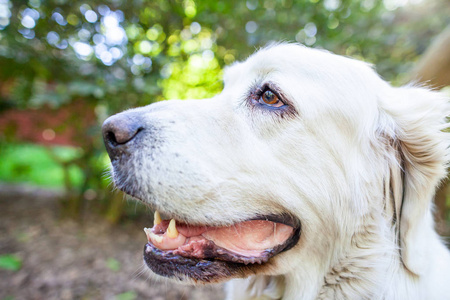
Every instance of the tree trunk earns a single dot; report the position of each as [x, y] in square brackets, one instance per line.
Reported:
[433, 70]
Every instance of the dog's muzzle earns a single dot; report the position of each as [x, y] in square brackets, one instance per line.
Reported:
[203, 252]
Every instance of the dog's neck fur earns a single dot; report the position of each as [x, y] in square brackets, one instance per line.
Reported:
[363, 268]
[369, 270]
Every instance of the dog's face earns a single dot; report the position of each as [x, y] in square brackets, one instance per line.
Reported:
[265, 177]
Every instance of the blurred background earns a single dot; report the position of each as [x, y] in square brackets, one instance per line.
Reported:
[67, 65]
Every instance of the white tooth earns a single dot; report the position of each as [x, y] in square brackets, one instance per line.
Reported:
[157, 218]
[155, 238]
[172, 231]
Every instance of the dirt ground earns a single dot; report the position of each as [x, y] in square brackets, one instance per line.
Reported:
[68, 260]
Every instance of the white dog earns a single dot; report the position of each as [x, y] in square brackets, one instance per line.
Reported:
[308, 177]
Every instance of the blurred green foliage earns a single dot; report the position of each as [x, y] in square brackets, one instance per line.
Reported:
[10, 262]
[116, 54]
[33, 164]
[126, 53]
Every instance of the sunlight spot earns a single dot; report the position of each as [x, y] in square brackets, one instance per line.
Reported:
[28, 22]
[62, 45]
[310, 29]
[138, 59]
[145, 47]
[190, 10]
[103, 10]
[58, 18]
[82, 49]
[107, 58]
[32, 13]
[310, 40]
[116, 53]
[52, 38]
[331, 5]
[251, 4]
[91, 16]
[99, 49]
[34, 3]
[98, 38]
[208, 55]
[84, 34]
[251, 27]
[5, 13]
[27, 33]
[300, 36]
[114, 33]
[84, 8]
[152, 34]
[195, 28]
[110, 21]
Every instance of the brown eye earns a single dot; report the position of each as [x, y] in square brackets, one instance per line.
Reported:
[270, 99]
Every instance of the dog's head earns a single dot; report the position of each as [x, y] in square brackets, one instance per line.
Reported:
[282, 169]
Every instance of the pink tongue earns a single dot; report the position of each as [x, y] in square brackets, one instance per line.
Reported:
[249, 238]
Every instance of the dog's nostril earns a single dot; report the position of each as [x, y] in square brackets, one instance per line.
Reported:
[110, 137]
[121, 136]
[120, 129]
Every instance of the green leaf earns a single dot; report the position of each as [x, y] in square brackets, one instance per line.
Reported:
[113, 264]
[10, 262]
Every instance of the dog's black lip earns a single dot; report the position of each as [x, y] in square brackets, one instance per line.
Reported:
[200, 270]
[168, 264]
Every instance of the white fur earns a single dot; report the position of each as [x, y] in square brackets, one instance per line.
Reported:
[358, 165]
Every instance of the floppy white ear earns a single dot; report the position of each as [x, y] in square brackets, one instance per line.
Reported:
[417, 119]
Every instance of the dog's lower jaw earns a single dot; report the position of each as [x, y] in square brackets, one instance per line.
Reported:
[359, 273]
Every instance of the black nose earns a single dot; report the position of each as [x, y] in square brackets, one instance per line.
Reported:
[119, 130]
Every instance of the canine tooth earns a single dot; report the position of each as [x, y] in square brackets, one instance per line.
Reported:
[172, 231]
[157, 218]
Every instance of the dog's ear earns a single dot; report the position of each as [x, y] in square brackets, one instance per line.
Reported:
[414, 122]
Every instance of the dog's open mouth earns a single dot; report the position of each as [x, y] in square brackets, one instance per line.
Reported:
[208, 253]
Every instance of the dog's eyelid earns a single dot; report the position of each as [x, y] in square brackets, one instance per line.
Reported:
[256, 91]
[269, 86]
